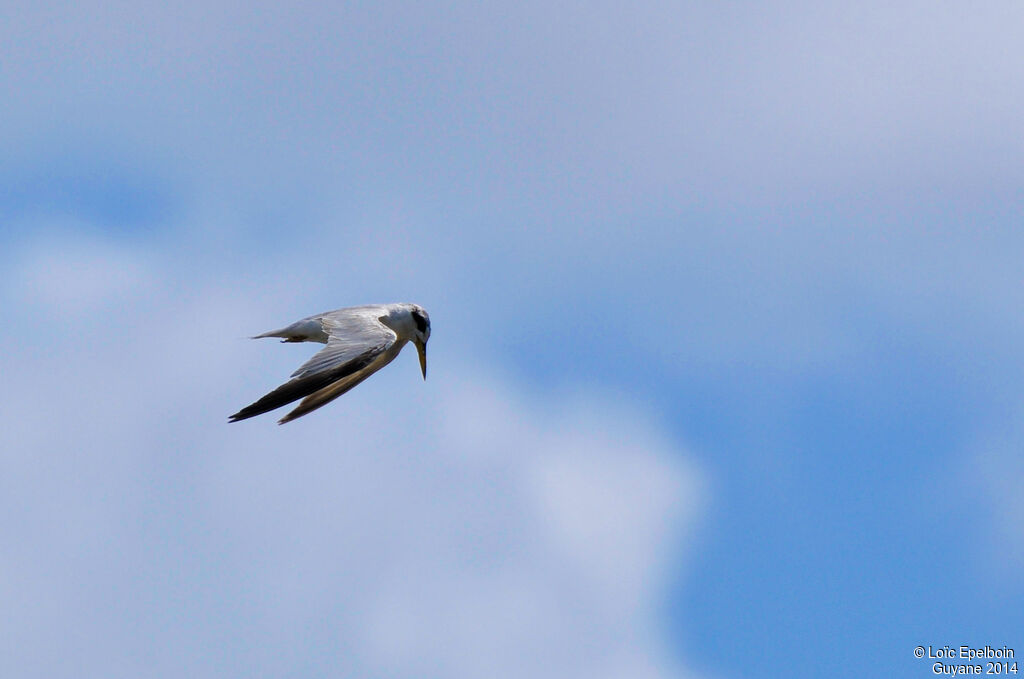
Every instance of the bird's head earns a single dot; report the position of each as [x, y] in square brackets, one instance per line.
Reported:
[421, 334]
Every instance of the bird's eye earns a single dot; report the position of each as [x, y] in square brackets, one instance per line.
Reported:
[421, 322]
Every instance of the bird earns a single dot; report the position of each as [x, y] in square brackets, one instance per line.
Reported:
[360, 341]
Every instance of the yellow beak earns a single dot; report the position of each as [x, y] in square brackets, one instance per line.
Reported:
[422, 349]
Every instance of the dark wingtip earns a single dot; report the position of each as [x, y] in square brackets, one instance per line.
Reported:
[300, 387]
[242, 415]
[289, 417]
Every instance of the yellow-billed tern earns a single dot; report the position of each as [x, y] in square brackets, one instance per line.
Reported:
[360, 341]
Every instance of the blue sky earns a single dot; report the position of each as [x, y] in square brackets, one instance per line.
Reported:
[725, 374]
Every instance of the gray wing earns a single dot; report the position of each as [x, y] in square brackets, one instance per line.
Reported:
[357, 347]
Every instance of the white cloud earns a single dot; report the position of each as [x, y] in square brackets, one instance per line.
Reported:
[400, 134]
[541, 141]
[63, 273]
[458, 527]
[608, 110]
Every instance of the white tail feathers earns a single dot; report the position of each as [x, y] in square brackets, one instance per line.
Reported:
[306, 330]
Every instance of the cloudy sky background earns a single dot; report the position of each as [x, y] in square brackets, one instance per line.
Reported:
[726, 365]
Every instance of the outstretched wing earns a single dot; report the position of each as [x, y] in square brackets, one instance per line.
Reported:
[357, 346]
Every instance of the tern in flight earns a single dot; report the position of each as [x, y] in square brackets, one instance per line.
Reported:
[360, 341]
